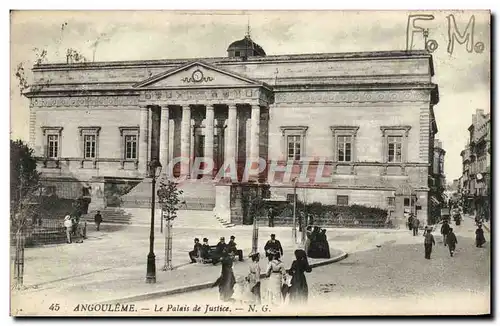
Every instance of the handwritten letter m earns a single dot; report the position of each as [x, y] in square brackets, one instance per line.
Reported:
[454, 34]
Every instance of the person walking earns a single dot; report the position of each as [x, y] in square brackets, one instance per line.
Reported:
[415, 225]
[253, 278]
[410, 221]
[68, 224]
[445, 229]
[226, 281]
[97, 220]
[273, 245]
[451, 241]
[270, 216]
[299, 291]
[275, 273]
[480, 239]
[428, 242]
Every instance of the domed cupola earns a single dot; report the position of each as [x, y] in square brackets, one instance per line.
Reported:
[245, 48]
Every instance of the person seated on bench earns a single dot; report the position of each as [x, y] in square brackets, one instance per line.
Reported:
[196, 252]
[205, 248]
[220, 247]
[231, 248]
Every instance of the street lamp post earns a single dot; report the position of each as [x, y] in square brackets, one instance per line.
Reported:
[294, 227]
[154, 172]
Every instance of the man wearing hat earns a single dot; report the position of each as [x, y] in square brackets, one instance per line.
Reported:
[196, 252]
[273, 245]
[231, 248]
[428, 242]
[219, 249]
[205, 247]
[69, 227]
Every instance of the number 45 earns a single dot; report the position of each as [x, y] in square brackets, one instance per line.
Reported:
[54, 307]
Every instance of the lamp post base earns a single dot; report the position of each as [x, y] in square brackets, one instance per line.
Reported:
[151, 269]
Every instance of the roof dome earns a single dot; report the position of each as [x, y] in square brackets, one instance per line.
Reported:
[245, 48]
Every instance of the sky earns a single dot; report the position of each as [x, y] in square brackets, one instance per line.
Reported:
[463, 78]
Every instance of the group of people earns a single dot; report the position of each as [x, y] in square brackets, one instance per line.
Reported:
[281, 283]
[76, 229]
[449, 238]
[413, 223]
[316, 243]
[203, 253]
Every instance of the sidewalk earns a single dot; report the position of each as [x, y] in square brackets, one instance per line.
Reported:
[111, 267]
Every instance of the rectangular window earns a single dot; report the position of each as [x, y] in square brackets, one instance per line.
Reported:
[90, 146]
[342, 200]
[130, 147]
[407, 202]
[391, 201]
[53, 146]
[344, 146]
[394, 149]
[293, 147]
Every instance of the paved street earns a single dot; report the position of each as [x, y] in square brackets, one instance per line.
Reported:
[391, 279]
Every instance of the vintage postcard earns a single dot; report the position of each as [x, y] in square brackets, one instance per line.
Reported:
[250, 163]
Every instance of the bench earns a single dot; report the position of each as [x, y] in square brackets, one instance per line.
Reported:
[212, 255]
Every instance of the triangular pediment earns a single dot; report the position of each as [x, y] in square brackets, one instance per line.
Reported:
[197, 74]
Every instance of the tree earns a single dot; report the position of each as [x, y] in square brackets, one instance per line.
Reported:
[24, 185]
[170, 201]
[24, 178]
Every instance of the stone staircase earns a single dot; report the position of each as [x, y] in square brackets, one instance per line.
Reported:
[185, 218]
[198, 195]
[111, 215]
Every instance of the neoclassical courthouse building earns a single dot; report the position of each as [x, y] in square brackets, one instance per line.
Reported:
[361, 125]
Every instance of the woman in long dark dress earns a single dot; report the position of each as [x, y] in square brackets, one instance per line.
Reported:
[299, 291]
[226, 281]
[480, 240]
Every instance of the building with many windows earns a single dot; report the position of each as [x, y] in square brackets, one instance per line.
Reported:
[343, 128]
[476, 157]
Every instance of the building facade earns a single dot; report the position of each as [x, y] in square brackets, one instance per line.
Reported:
[476, 158]
[350, 128]
[438, 180]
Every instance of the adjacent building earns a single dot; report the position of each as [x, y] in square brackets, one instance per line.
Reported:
[476, 157]
[437, 182]
[351, 128]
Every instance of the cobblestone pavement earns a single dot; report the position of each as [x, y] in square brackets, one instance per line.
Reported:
[389, 278]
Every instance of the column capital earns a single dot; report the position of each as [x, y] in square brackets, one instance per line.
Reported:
[232, 106]
[164, 107]
[209, 107]
[255, 106]
[186, 107]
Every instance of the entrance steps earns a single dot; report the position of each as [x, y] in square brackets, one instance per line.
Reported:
[198, 195]
[199, 219]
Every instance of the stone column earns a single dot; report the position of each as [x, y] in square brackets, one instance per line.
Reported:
[254, 133]
[209, 134]
[231, 133]
[143, 141]
[164, 139]
[185, 140]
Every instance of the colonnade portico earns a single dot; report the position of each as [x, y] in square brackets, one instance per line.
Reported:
[229, 150]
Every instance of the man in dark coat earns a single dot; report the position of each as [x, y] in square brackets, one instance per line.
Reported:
[231, 248]
[428, 242]
[220, 247]
[445, 229]
[451, 241]
[273, 245]
[196, 252]
[271, 215]
[415, 224]
[205, 247]
[97, 220]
